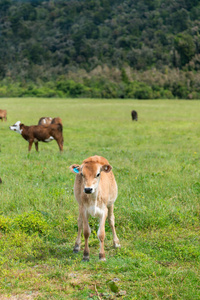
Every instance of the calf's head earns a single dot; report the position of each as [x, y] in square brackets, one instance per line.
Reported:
[17, 127]
[90, 173]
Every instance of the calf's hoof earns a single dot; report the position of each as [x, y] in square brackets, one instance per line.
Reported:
[102, 257]
[86, 258]
[117, 245]
[76, 249]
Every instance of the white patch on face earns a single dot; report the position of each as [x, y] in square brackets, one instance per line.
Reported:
[16, 127]
[44, 121]
[49, 139]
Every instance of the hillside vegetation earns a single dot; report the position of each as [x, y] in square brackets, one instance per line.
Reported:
[101, 48]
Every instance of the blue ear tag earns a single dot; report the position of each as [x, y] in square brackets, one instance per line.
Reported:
[76, 170]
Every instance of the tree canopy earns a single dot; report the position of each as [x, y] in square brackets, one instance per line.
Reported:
[42, 40]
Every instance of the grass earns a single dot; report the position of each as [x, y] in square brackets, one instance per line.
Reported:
[156, 165]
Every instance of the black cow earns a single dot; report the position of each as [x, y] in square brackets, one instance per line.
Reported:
[134, 115]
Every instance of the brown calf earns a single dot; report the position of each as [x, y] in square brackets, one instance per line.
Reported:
[40, 133]
[95, 190]
[3, 115]
[44, 121]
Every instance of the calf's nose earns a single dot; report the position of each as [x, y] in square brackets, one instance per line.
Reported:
[88, 190]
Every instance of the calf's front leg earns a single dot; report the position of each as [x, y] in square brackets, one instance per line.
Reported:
[86, 232]
[77, 245]
[101, 234]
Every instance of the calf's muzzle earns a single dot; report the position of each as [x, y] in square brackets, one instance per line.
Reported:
[88, 190]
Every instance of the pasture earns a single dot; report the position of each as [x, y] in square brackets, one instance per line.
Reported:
[157, 212]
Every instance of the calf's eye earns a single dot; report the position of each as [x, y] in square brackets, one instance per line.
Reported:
[98, 174]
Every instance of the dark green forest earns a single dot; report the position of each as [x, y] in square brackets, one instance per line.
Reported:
[142, 49]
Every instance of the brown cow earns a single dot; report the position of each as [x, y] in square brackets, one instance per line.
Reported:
[44, 121]
[95, 190]
[40, 133]
[56, 120]
[3, 115]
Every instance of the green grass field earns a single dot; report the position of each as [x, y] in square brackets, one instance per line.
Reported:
[156, 165]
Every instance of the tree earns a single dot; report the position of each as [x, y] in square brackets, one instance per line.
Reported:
[185, 46]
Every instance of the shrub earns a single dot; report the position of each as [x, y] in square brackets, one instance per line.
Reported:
[139, 90]
[5, 223]
[32, 222]
[40, 92]
[179, 90]
[19, 246]
[110, 90]
[70, 88]
[166, 94]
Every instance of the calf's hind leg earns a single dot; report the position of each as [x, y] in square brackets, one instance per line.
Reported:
[101, 235]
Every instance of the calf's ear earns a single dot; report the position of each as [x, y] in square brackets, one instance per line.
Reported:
[106, 168]
[75, 168]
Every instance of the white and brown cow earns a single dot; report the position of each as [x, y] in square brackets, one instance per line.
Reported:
[44, 121]
[95, 190]
[40, 133]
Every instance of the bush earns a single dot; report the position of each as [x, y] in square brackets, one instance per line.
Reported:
[32, 222]
[5, 223]
[70, 88]
[40, 92]
[139, 90]
[20, 246]
[151, 84]
[166, 94]
[180, 91]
